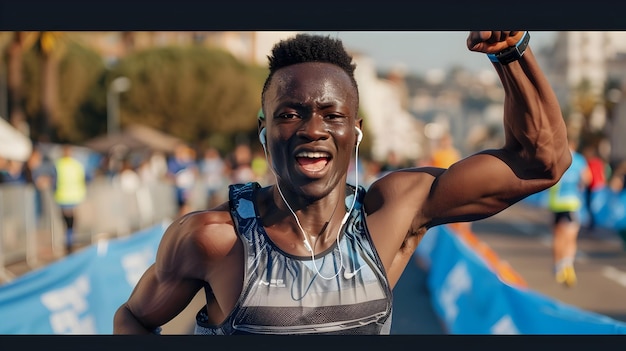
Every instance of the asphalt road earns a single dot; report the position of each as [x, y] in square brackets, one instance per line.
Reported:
[521, 235]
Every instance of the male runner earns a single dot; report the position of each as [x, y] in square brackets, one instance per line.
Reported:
[305, 255]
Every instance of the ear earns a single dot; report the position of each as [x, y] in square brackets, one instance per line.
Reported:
[359, 124]
[359, 134]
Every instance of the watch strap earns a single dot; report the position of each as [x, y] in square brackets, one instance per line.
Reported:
[512, 53]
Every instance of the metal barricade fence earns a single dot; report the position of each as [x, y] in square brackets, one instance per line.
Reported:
[17, 227]
[162, 200]
[111, 211]
[26, 228]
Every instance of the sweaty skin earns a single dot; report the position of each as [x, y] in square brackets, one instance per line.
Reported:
[312, 107]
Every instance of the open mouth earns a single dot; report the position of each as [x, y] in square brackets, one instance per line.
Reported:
[312, 161]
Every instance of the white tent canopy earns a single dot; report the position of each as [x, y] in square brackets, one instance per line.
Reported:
[14, 145]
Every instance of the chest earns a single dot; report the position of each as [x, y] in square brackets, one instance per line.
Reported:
[340, 289]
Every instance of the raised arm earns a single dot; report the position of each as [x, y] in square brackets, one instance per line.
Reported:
[535, 153]
[534, 156]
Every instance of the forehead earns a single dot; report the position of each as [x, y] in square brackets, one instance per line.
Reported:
[312, 80]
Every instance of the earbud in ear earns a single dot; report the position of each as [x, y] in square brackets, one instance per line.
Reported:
[359, 134]
[262, 137]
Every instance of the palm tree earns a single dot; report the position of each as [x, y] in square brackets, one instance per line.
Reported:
[14, 52]
[49, 47]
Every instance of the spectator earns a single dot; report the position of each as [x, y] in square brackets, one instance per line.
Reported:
[183, 171]
[445, 153]
[152, 168]
[597, 167]
[213, 172]
[14, 173]
[241, 165]
[40, 172]
[128, 179]
[70, 191]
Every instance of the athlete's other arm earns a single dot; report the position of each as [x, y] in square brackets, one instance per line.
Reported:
[169, 285]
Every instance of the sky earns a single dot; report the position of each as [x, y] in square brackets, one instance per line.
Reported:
[419, 51]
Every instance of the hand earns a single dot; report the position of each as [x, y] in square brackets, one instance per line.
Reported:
[491, 42]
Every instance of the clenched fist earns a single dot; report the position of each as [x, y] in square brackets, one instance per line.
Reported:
[491, 42]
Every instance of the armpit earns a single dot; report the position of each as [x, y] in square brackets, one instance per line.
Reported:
[412, 239]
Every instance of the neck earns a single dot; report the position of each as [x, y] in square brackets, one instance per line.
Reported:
[313, 221]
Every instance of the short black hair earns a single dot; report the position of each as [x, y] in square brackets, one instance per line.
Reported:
[305, 47]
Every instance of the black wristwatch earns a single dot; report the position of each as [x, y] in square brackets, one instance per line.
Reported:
[512, 53]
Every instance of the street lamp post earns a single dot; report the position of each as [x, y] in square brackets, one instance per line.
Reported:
[117, 86]
[4, 94]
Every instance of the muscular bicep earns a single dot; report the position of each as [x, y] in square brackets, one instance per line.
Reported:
[477, 187]
[168, 285]
[158, 298]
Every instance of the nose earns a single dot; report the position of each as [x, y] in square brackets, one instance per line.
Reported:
[313, 128]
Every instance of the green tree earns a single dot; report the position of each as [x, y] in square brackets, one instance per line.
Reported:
[61, 77]
[81, 74]
[191, 92]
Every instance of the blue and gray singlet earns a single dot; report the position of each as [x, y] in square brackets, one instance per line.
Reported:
[283, 294]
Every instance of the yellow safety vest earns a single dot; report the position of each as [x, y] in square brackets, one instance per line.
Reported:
[70, 184]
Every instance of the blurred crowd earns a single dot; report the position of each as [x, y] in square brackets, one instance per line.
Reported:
[200, 176]
[184, 168]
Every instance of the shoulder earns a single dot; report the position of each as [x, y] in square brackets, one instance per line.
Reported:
[197, 237]
[406, 178]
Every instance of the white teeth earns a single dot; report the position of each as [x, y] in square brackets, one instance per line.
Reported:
[312, 154]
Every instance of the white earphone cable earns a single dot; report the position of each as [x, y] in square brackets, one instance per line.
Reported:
[307, 244]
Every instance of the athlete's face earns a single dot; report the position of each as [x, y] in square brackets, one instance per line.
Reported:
[311, 111]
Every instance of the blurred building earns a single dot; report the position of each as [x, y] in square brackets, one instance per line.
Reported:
[464, 104]
[596, 59]
[392, 129]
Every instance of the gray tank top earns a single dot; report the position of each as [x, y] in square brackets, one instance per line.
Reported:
[283, 294]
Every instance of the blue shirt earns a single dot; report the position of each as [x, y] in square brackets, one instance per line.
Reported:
[567, 194]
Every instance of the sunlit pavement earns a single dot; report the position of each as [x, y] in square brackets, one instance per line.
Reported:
[521, 235]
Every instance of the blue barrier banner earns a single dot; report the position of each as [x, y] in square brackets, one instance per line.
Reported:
[609, 208]
[469, 298]
[80, 293]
